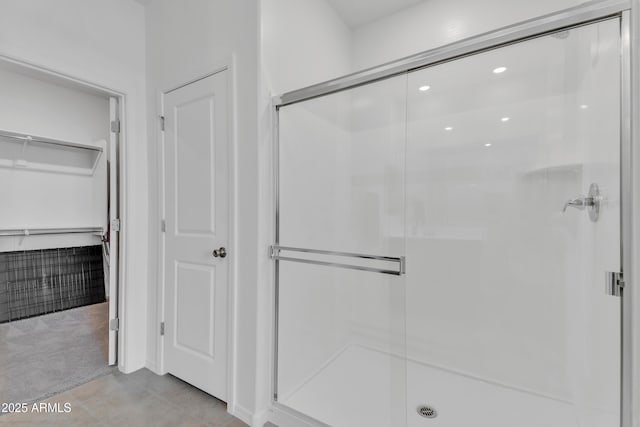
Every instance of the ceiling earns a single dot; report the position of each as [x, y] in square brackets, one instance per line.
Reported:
[357, 12]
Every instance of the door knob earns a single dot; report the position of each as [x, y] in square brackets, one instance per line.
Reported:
[591, 202]
[222, 252]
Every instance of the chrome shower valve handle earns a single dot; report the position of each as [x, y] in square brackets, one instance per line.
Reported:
[591, 201]
[579, 203]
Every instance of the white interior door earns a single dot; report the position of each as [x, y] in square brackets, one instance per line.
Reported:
[114, 232]
[196, 233]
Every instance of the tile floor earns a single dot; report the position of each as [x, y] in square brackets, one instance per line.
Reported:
[138, 399]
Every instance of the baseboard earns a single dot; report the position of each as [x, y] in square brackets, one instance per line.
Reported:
[260, 418]
[242, 413]
[128, 369]
[152, 367]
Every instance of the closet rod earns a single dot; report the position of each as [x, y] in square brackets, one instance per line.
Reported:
[28, 138]
[42, 231]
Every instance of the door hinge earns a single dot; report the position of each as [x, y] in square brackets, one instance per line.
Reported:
[614, 283]
[162, 123]
[115, 224]
[114, 324]
[163, 225]
[161, 328]
[115, 126]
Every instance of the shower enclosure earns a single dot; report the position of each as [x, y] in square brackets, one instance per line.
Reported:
[445, 230]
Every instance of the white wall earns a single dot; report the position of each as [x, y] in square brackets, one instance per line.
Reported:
[36, 199]
[186, 40]
[102, 42]
[303, 42]
[435, 23]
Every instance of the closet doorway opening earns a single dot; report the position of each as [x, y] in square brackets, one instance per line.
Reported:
[60, 240]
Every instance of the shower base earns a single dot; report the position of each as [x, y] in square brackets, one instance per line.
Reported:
[350, 391]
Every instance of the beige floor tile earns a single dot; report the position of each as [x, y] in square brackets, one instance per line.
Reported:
[200, 406]
[139, 399]
[235, 423]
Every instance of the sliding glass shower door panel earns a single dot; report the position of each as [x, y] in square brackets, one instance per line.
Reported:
[341, 356]
[342, 170]
[513, 218]
[340, 336]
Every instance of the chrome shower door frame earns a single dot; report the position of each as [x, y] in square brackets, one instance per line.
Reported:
[587, 13]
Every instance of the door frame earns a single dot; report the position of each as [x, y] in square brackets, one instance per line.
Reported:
[115, 136]
[628, 12]
[120, 191]
[228, 66]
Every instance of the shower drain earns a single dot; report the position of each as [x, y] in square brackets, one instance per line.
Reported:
[427, 411]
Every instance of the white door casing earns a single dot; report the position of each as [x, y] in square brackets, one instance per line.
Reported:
[197, 223]
[114, 235]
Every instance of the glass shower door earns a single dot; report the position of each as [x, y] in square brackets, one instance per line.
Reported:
[340, 295]
[513, 218]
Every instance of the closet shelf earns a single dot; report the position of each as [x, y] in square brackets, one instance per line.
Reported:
[19, 150]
